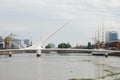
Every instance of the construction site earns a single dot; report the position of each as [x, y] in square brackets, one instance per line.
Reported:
[11, 42]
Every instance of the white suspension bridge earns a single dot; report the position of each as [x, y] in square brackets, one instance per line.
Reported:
[39, 47]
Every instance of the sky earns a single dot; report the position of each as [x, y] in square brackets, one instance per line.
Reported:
[40, 18]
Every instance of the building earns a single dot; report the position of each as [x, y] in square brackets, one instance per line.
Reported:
[1, 43]
[113, 45]
[27, 42]
[14, 43]
[7, 43]
[111, 36]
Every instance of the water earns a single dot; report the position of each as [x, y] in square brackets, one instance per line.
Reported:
[58, 67]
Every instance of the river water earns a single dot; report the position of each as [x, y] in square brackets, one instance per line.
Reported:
[54, 66]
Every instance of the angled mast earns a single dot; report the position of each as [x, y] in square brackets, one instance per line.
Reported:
[56, 31]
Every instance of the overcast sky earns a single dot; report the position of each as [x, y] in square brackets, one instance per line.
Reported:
[39, 18]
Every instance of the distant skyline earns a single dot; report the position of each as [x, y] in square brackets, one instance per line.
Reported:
[39, 18]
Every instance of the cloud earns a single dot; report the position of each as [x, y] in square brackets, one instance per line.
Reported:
[43, 16]
[62, 8]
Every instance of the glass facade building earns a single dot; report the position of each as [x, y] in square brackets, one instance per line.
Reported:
[1, 43]
[27, 42]
[111, 36]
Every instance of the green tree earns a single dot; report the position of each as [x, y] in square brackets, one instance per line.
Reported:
[64, 45]
[48, 46]
[68, 45]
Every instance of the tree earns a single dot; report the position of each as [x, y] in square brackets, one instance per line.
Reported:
[68, 45]
[64, 45]
[89, 45]
[48, 46]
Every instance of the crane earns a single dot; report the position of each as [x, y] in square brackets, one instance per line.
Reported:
[10, 41]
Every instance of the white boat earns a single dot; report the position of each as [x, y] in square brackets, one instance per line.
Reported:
[98, 52]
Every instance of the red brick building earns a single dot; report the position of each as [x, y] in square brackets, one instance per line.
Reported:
[113, 45]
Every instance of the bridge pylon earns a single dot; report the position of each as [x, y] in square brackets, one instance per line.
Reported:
[10, 54]
[38, 54]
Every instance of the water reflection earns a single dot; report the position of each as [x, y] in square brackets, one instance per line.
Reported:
[58, 67]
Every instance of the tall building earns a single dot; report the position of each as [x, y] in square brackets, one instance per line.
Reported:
[111, 36]
[7, 43]
[1, 43]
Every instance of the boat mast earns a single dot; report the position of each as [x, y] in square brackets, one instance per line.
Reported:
[98, 42]
[103, 33]
[103, 40]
